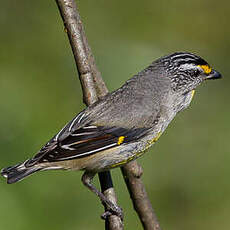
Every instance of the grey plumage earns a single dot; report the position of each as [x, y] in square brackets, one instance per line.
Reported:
[124, 123]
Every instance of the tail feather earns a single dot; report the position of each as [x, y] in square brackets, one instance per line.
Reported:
[18, 172]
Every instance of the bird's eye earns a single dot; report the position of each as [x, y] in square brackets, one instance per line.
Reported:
[196, 72]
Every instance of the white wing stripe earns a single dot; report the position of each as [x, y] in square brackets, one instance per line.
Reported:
[86, 153]
[56, 137]
[73, 122]
[89, 127]
[80, 118]
[67, 147]
[81, 134]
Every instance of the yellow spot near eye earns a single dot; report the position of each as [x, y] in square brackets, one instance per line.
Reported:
[120, 140]
[207, 69]
[193, 92]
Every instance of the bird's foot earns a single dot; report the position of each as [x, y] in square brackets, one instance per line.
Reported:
[112, 210]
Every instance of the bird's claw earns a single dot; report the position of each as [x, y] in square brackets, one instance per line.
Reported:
[112, 210]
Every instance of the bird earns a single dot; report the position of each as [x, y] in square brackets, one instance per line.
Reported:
[123, 124]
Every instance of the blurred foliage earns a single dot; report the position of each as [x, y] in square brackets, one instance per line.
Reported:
[186, 172]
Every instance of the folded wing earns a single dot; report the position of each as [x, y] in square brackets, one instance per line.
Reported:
[84, 141]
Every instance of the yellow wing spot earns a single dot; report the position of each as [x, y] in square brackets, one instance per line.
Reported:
[193, 92]
[137, 154]
[120, 140]
[207, 69]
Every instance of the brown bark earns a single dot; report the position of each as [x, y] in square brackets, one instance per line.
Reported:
[132, 173]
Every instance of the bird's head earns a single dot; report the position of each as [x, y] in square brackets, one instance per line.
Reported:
[187, 71]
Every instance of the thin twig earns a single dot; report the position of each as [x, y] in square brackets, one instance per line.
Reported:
[92, 84]
[106, 183]
[132, 173]
[93, 88]
[74, 28]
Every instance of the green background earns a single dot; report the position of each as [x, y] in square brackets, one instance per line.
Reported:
[186, 173]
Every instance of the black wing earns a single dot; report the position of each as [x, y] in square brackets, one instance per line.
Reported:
[84, 141]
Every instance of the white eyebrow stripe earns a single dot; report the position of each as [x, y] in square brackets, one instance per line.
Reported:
[87, 153]
[188, 66]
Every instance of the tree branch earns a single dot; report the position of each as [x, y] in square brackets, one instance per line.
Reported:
[92, 84]
[132, 173]
[93, 88]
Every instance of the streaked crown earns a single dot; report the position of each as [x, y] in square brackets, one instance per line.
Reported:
[187, 70]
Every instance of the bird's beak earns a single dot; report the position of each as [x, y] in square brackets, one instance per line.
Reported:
[213, 75]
